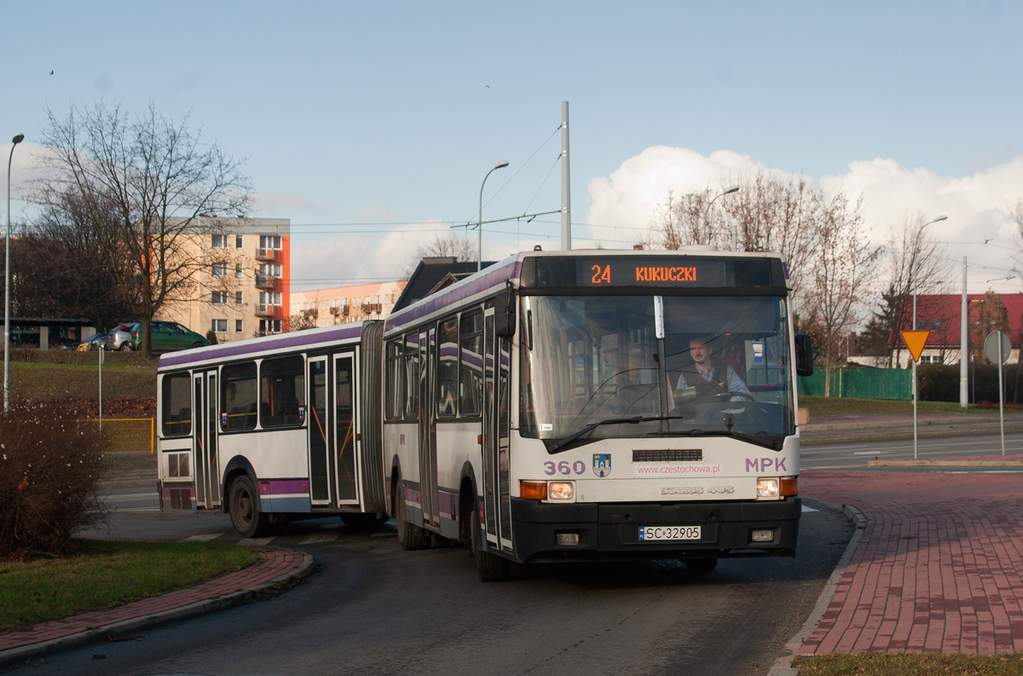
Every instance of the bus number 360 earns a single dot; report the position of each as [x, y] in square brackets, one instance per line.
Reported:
[563, 467]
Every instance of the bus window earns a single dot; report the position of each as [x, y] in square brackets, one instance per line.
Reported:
[395, 396]
[176, 418]
[412, 375]
[238, 397]
[471, 385]
[282, 392]
[447, 369]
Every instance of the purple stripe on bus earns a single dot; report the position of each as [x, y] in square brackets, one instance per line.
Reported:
[284, 487]
[343, 332]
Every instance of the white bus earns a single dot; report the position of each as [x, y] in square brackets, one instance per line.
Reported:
[598, 405]
[275, 429]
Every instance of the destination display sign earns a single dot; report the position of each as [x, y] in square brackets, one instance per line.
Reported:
[597, 272]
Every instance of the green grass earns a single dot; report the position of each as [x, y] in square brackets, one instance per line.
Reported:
[46, 377]
[103, 574]
[822, 406]
[899, 664]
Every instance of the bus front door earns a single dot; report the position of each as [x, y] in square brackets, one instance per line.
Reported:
[496, 431]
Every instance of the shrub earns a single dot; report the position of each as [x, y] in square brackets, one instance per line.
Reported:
[49, 469]
[938, 382]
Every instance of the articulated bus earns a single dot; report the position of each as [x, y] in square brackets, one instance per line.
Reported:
[274, 429]
[556, 406]
[598, 405]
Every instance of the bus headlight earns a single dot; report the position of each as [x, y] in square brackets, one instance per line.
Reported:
[768, 488]
[562, 491]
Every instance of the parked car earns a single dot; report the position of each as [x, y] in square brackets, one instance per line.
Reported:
[96, 342]
[121, 337]
[167, 336]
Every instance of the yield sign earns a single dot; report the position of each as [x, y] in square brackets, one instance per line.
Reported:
[915, 342]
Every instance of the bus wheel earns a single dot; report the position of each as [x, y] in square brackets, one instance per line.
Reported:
[245, 515]
[490, 567]
[366, 523]
[409, 537]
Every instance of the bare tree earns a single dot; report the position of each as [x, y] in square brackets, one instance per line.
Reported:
[839, 278]
[149, 189]
[460, 248]
[680, 221]
[915, 261]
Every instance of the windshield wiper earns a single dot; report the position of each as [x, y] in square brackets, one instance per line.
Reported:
[561, 444]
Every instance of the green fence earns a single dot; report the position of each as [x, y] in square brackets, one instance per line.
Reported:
[860, 383]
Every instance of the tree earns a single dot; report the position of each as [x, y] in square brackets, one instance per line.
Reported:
[992, 315]
[147, 188]
[460, 248]
[915, 261]
[839, 278]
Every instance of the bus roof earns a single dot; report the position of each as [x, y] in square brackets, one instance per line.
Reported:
[493, 279]
[309, 339]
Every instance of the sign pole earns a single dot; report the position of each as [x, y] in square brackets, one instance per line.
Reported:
[915, 342]
[997, 348]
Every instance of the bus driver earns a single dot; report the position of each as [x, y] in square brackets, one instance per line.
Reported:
[710, 377]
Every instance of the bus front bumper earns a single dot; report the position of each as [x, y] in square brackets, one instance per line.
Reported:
[547, 532]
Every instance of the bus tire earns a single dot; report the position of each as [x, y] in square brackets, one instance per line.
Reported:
[410, 537]
[489, 567]
[245, 515]
[366, 523]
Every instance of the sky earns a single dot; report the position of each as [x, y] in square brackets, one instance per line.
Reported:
[372, 125]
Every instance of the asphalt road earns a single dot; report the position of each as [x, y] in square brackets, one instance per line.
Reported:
[858, 454]
[372, 608]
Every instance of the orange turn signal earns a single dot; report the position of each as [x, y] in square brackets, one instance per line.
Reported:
[533, 490]
[789, 486]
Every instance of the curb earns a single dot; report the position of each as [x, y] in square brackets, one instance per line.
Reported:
[13, 656]
[783, 665]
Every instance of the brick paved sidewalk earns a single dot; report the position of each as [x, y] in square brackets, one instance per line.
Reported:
[939, 566]
[275, 565]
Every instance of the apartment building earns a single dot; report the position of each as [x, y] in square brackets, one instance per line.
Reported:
[244, 289]
[341, 305]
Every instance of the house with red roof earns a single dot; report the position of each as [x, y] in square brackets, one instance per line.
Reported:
[941, 315]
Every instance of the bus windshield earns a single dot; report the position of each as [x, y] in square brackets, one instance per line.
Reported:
[635, 366]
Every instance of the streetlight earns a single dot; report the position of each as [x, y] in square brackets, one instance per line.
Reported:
[18, 138]
[706, 215]
[916, 392]
[916, 245]
[479, 260]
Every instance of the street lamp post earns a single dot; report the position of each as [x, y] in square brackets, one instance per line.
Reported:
[18, 138]
[916, 389]
[479, 260]
[706, 215]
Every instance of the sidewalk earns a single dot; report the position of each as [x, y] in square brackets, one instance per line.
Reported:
[936, 564]
[276, 567]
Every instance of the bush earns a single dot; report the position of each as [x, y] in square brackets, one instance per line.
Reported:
[49, 469]
[938, 382]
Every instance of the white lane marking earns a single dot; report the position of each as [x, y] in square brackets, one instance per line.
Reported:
[205, 537]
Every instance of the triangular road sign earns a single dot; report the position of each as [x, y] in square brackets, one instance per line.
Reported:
[915, 342]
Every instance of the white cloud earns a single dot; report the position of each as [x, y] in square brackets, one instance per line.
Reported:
[625, 203]
[359, 259]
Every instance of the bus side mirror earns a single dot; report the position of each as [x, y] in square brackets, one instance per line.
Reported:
[504, 314]
[804, 355]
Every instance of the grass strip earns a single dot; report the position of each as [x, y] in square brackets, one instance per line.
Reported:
[102, 574]
[910, 664]
[823, 406]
